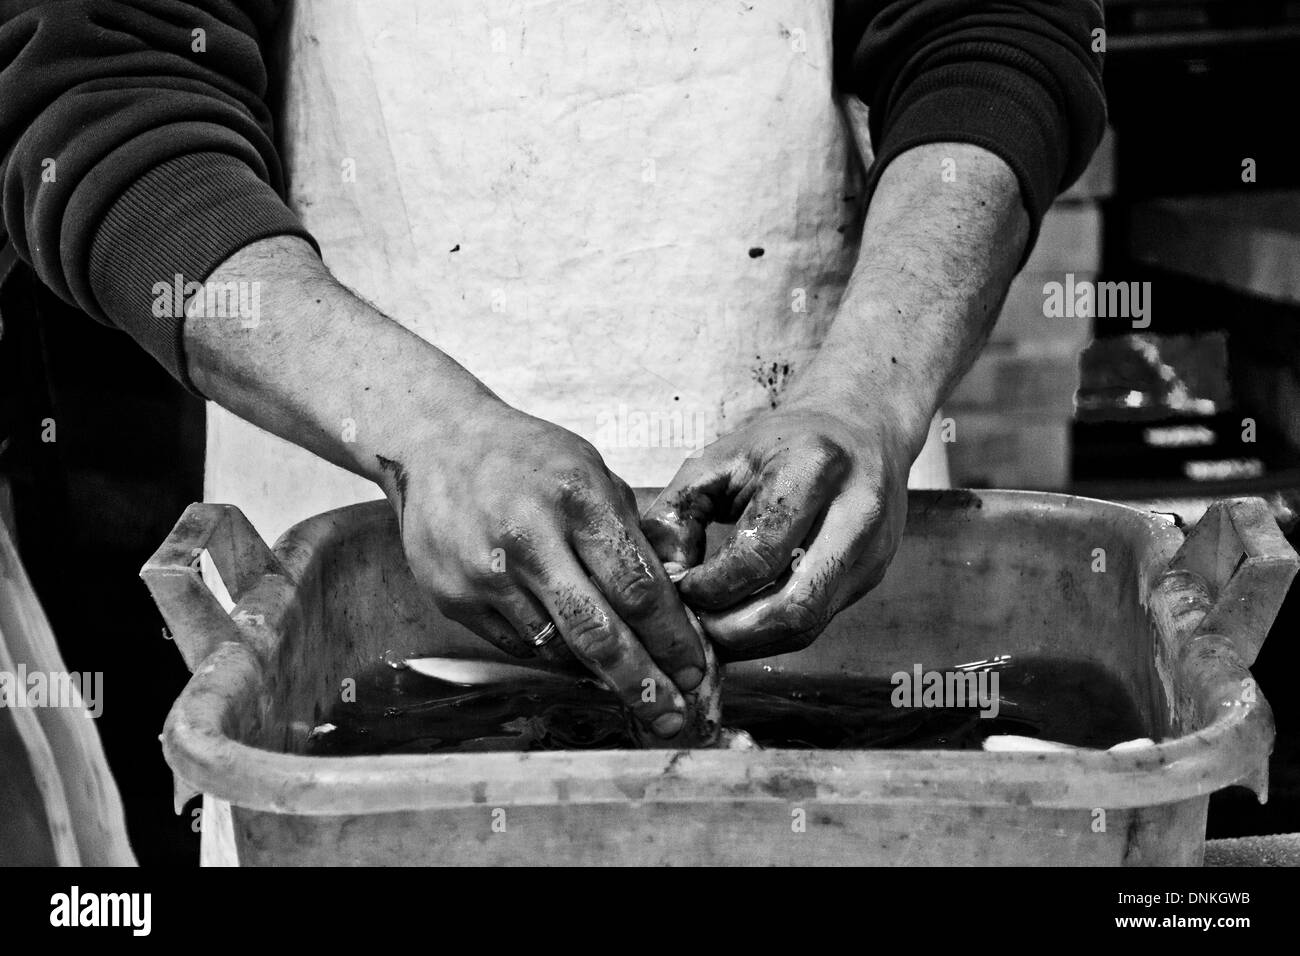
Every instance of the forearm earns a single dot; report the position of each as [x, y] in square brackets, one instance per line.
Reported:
[323, 369]
[514, 525]
[935, 262]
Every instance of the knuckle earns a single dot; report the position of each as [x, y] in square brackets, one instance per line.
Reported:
[636, 594]
[625, 492]
[596, 641]
[456, 605]
[830, 457]
[655, 522]
[513, 533]
[575, 485]
[484, 579]
[759, 556]
[678, 650]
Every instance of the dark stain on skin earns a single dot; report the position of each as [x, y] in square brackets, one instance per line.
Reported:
[755, 252]
[774, 518]
[823, 585]
[400, 481]
[773, 377]
[691, 505]
[615, 538]
[572, 605]
[733, 569]
[572, 608]
[455, 248]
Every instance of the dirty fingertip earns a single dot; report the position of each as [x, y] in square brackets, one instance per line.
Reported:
[668, 725]
[688, 678]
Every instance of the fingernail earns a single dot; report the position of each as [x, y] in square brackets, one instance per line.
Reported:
[675, 571]
[688, 678]
[667, 725]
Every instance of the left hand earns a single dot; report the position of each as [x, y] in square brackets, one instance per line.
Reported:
[818, 496]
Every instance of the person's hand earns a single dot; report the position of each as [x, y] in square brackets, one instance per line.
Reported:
[518, 524]
[818, 499]
[511, 522]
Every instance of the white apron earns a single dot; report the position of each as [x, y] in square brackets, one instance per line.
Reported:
[634, 220]
[607, 174]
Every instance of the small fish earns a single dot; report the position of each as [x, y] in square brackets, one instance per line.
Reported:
[732, 739]
[467, 672]
[703, 727]
[1014, 743]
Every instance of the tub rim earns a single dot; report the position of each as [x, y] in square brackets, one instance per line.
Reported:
[1232, 749]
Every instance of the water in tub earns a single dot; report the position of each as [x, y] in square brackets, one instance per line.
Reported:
[399, 710]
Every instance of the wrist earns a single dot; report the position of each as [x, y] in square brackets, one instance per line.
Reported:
[876, 391]
[432, 431]
[325, 370]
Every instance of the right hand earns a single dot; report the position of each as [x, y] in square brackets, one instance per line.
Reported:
[510, 521]
[518, 523]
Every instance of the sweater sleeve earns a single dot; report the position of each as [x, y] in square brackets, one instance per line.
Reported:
[1021, 78]
[137, 147]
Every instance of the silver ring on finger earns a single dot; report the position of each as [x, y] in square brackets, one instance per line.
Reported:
[544, 636]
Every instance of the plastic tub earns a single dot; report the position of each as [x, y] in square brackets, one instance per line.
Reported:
[979, 574]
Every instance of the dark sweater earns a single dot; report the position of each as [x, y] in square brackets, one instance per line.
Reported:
[164, 161]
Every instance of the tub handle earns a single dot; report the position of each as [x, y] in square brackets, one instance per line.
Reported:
[194, 617]
[1239, 552]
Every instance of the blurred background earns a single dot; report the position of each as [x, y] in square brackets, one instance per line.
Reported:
[1196, 191]
[1193, 198]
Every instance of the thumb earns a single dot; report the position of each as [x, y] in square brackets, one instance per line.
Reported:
[675, 522]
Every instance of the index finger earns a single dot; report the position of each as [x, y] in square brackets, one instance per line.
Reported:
[613, 549]
[604, 643]
[675, 521]
[761, 548]
[847, 558]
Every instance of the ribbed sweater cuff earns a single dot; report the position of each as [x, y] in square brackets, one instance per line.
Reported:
[174, 226]
[989, 107]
